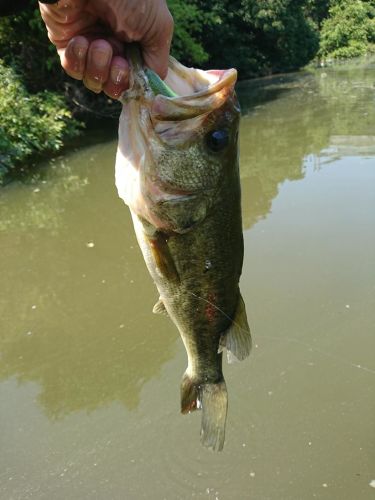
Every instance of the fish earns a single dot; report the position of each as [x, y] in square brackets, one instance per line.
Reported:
[177, 169]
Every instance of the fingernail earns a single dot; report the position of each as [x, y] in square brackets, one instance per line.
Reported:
[100, 58]
[93, 85]
[80, 51]
[117, 75]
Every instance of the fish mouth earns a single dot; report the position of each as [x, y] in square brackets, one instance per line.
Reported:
[190, 83]
[198, 92]
[176, 120]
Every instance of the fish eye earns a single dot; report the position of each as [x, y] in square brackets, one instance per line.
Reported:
[217, 140]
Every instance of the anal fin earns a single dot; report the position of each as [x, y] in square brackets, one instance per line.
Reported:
[237, 339]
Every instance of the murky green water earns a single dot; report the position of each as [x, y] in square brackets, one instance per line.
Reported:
[89, 378]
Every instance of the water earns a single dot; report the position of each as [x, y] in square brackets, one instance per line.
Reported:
[89, 378]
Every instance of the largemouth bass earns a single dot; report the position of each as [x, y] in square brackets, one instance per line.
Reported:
[177, 170]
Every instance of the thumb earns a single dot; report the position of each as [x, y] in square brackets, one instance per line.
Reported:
[156, 48]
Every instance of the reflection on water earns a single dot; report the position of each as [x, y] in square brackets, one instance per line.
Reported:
[71, 300]
[287, 118]
[78, 336]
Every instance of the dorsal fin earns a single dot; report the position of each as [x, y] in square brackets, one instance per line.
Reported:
[237, 339]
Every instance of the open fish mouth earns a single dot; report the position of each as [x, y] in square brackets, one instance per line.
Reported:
[190, 85]
[198, 92]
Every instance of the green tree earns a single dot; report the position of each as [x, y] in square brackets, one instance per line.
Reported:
[349, 31]
[190, 22]
[30, 123]
[24, 46]
[258, 36]
[317, 10]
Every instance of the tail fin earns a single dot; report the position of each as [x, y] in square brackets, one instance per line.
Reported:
[213, 400]
[214, 406]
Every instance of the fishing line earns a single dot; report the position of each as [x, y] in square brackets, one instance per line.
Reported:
[312, 349]
[220, 310]
[289, 339]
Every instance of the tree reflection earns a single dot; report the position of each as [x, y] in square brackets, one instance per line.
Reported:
[287, 118]
[80, 326]
[76, 299]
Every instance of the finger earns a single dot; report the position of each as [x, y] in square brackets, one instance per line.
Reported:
[98, 62]
[73, 58]
[118, 80]
[63, 22]
[157, 45]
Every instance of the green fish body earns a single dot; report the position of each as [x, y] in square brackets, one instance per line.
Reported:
[177, 169]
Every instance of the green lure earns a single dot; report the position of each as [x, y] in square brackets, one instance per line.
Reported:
[157, 85]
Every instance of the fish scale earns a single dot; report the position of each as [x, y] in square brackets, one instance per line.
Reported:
[202, 175]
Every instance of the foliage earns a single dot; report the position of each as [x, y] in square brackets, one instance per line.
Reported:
[35, 118]
[261, 37]
[24, 45]
[30, 123]
[317, 10]
[258, 36]
[349, 30]
[190, 22]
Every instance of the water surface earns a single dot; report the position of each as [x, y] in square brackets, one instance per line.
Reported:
[89, 378]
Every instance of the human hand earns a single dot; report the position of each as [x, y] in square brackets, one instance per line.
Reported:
[89, 37]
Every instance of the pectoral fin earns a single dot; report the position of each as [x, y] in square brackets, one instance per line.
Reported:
[162, 256]
[237, 339]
